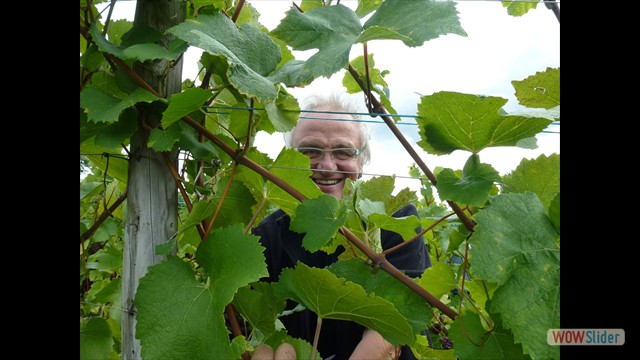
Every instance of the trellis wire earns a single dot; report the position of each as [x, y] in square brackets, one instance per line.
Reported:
[206, 109]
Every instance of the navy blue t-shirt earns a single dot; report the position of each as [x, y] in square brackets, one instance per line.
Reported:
[338, 338]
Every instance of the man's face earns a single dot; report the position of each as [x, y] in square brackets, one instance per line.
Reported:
[330, 170]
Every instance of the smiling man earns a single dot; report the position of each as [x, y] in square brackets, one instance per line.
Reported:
[338, 148]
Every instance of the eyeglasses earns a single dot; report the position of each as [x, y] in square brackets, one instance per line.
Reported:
[337, 153]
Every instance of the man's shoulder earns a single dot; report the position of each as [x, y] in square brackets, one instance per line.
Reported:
[276, 218]
[407, 210]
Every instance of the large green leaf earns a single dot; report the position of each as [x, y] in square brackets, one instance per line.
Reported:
[101, 106]
[259, 306]
[113, 135]
[290, 166]
[405, 226]
[189, 141]
[541, 90]
[249, 52]
[319, 219]
[96, 339]
[472, 341]
[396, 19]
[540, 176]
[150, 51]
[450, 121]
[184, 103]
[139, 43]
[162, 140]
[283, 113]
[473, 187]
[366, 7]
[180, 317]
[514, 245]
[330, 29]
[237, 203]
[411, 305]
[438, 279]
[331, 297]
[251, 179]
[293, 73]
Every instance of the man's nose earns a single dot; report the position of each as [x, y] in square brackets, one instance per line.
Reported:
[325, 162]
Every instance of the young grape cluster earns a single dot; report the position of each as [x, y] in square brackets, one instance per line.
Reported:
[446, 343]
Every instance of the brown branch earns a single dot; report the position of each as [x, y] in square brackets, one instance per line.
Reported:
[183, 192]
[105, 214]
[424, 231]
[388, 267]
[224, 196]
[235, 327]
[236, 13]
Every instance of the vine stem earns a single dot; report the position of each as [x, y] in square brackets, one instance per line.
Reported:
[183, 192]
[105, 213]
[381, 260]
[424, 231]
[316, 338]
[224, 196]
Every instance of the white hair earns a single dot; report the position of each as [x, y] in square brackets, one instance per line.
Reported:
[337, 102]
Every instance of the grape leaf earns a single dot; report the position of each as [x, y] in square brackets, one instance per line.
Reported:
[473, 187]
[237, 204]
[282, 114]
[96, 339]
[472, 341]
[181, 317]
[366, 7]
[184, 103]
[438, 279]
[162, 140]
[395, 19]
[405, 226]
[250, 53]
[330, 29]
[259, 306]
[293, 73]
[151, 51]
[319, 219]
[411, 305]
[541, 90]
[299, 178]
[514, 245]
[105, 107]
[519, 8]
[450, 121]
[331, 297]
[540, 176]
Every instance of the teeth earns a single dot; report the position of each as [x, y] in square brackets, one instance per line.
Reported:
[326, 181]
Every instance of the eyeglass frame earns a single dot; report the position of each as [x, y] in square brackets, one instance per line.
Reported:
[358, 152]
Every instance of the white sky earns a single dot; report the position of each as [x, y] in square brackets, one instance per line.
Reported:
[498, 49]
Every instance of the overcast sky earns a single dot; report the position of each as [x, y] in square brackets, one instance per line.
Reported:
[498, 48]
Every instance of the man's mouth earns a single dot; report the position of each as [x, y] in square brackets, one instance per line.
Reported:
[326, 181]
